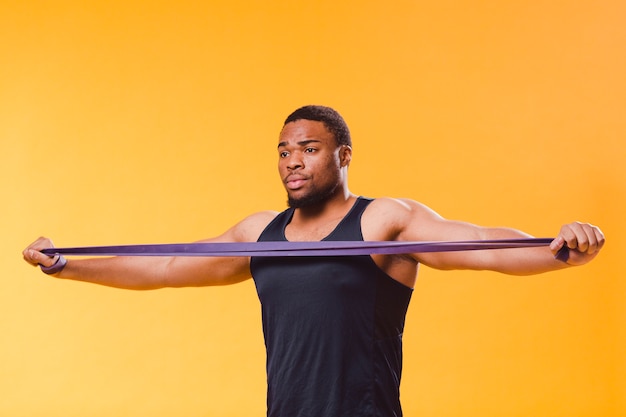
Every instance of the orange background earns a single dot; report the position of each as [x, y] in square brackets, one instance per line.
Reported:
[155, 122]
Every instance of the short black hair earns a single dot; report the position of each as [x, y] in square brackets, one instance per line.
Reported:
[330, 117]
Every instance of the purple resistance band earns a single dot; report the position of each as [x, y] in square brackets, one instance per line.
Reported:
[323, 248]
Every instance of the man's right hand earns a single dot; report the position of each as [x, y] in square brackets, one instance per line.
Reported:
[32, 254]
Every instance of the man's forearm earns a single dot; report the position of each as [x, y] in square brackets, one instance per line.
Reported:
[521, 261]
[135, 273]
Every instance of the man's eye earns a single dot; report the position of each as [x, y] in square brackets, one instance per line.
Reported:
[309, 150]
[283, 154]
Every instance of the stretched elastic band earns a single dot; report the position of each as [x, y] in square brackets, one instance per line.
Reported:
[55, 267]
[323, 248]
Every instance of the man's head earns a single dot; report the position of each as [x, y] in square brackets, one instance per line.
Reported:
[314, 153]
[330, 117]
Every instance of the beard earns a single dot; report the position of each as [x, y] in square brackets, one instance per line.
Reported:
[314, 197]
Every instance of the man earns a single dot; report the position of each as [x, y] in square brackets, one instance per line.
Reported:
[333, 325]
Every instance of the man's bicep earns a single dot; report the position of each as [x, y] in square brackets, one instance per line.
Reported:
[426, 225]
[220, 270]
[207, 271]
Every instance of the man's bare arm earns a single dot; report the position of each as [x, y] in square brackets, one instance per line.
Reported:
[145, 273]
[415, 222]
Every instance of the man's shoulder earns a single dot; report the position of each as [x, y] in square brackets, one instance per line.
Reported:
[386, 218]
[262, 216]
[251, 227]
[396, 206]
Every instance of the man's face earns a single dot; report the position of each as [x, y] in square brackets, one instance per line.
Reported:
[309, 162]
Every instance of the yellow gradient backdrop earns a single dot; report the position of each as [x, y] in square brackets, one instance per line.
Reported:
[128, 122]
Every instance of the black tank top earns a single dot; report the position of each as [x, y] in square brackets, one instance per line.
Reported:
[333, 328]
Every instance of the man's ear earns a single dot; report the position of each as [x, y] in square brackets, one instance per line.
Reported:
[345, 155]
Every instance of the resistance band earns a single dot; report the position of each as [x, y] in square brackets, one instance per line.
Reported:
[323, 248]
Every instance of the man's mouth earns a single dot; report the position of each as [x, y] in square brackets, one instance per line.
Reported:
[294, 182]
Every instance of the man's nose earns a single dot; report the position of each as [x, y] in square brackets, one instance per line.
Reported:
[295, 161]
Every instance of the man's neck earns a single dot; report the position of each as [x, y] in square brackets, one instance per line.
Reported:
[336, 206]
[313, 223]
